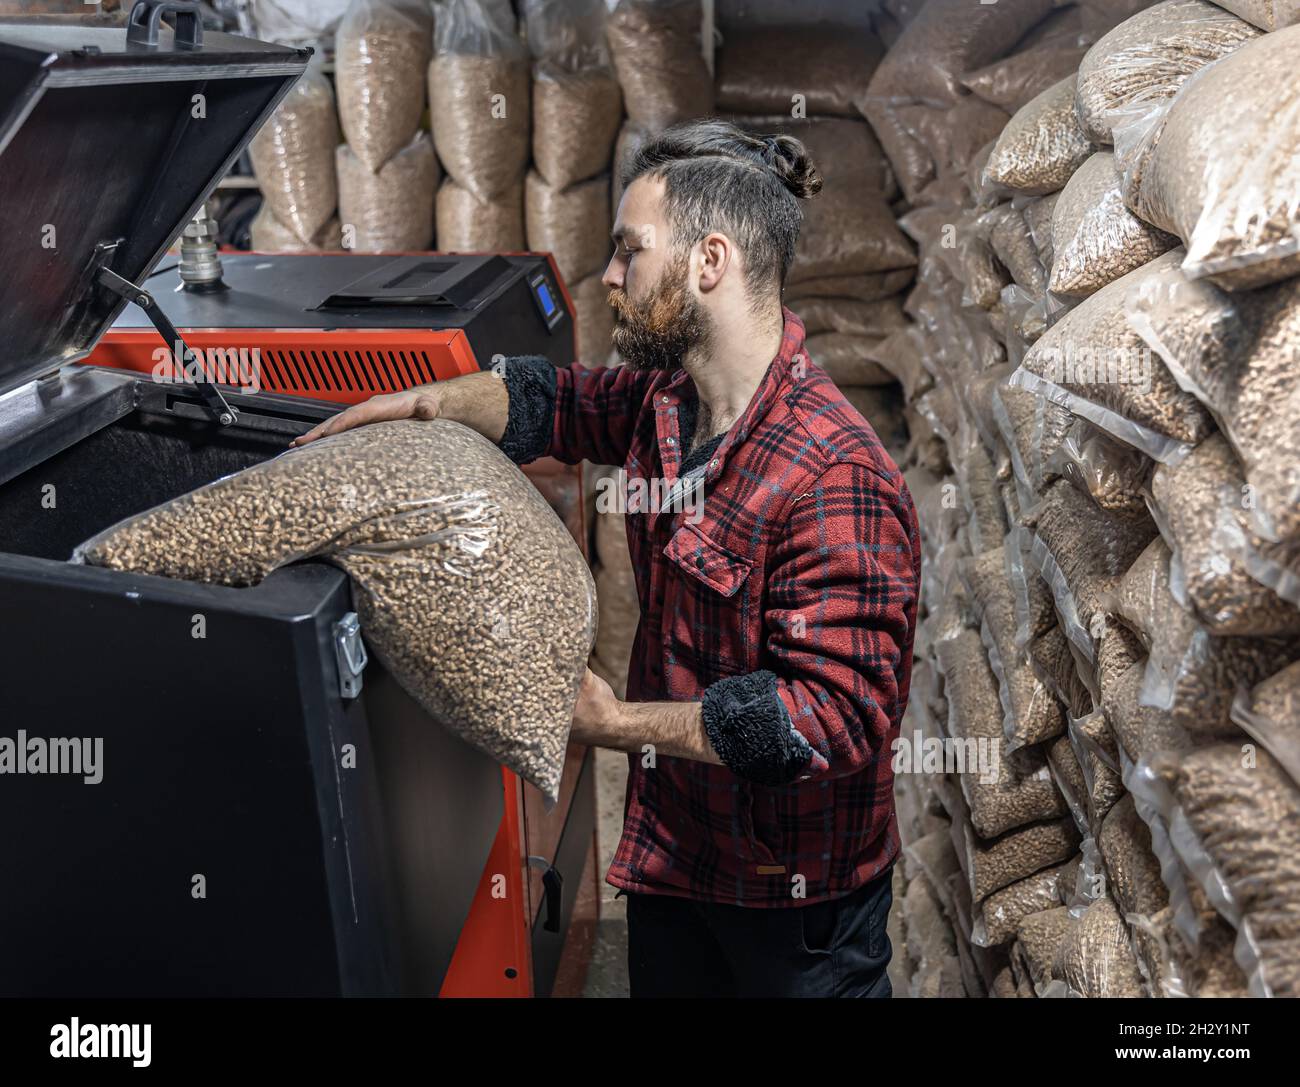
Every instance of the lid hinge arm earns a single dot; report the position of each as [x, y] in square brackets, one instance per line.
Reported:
[191, 364]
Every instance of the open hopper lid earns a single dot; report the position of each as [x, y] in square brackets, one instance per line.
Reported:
[109, 144]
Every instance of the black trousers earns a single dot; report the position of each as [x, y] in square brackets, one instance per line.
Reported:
[679, 947]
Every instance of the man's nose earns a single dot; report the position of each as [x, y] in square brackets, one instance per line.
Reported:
[613, 277]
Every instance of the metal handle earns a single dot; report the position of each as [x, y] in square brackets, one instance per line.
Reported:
[553, 888]
[146, 18]
[350, 653]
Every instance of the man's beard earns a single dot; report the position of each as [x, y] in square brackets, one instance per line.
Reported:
[657, 332]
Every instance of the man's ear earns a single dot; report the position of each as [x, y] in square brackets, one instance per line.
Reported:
[716, 256]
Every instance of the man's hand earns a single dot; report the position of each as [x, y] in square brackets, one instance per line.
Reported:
[422, 403]
[595, 713]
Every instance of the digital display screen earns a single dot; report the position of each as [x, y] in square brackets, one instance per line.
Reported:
[544, 296]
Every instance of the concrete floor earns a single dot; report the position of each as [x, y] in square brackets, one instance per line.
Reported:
[607, 974]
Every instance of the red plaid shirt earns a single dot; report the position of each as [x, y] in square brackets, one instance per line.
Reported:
[805, 565]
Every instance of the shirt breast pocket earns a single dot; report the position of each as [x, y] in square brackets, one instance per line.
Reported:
[710, 613]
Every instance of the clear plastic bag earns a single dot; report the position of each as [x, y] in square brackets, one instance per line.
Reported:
[1016, 80]
[1014, 246]
[1095, 364]
[293, 156]
[946, 39]
[1235, 353]
[1001, 792]
[577, 104]
[469, 588]
[1030, 713]
[268, 235]
[1017, 854]
[1112, 474]
[924, 67]
[381, 54]
[1095, 238]
[1271, 715]
[563, 222]
[1220, 166]
[480, 96]
[656, 49]
[1042, 145]
[1193, 498]
[391, 210]
[1039, 213]
[1097, 957]
[1144, 60]
[1234, 819]
[1082, 552]
[1265, 14]
[1039, 937]
[980, 271]
[999, 917]
[467, 224]
[1191, 675]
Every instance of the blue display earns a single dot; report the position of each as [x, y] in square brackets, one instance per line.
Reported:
[544, 296]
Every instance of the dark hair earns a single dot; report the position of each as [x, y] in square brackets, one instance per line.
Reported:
[718, 177]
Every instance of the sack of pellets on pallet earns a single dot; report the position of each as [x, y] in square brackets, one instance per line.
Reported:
[469, 588]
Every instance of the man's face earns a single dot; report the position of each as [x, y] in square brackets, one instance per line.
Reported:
[657, 316]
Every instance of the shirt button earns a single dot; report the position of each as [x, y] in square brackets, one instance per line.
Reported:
[713, 464]
[664, 400]
[671, 441]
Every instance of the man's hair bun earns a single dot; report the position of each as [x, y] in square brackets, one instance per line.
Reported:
[789, 159]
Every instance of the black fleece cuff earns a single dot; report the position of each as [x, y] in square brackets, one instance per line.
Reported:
[750, 729]
[530, 382]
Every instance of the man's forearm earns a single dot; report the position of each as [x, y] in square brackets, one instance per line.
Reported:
[675, 729]
[479, 401]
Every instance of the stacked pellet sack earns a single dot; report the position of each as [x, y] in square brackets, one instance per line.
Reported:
[659, 61]
[387, 170]
[577, 109]
[293, 160]
[479, 109]
[853, 263]
[1107, 307]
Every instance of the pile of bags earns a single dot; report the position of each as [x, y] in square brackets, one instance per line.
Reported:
[1106, 314]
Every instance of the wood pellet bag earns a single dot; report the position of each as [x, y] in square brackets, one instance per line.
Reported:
[268, 235]
[655, 45]
[381, 53]
[1236, 353]
[469, 588]
[1143, 61]
[390, 210]
[577, 103]
[1095, 238]
[480, 97]
[1093, 362]
[1220, 166]
[467, 224]
[1042, 145]
[293, 157]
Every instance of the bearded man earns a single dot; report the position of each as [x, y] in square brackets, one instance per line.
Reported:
[772, 661]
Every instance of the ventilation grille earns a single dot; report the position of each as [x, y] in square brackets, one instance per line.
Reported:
[368, 371]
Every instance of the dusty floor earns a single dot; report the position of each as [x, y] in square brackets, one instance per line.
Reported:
[607, 975]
